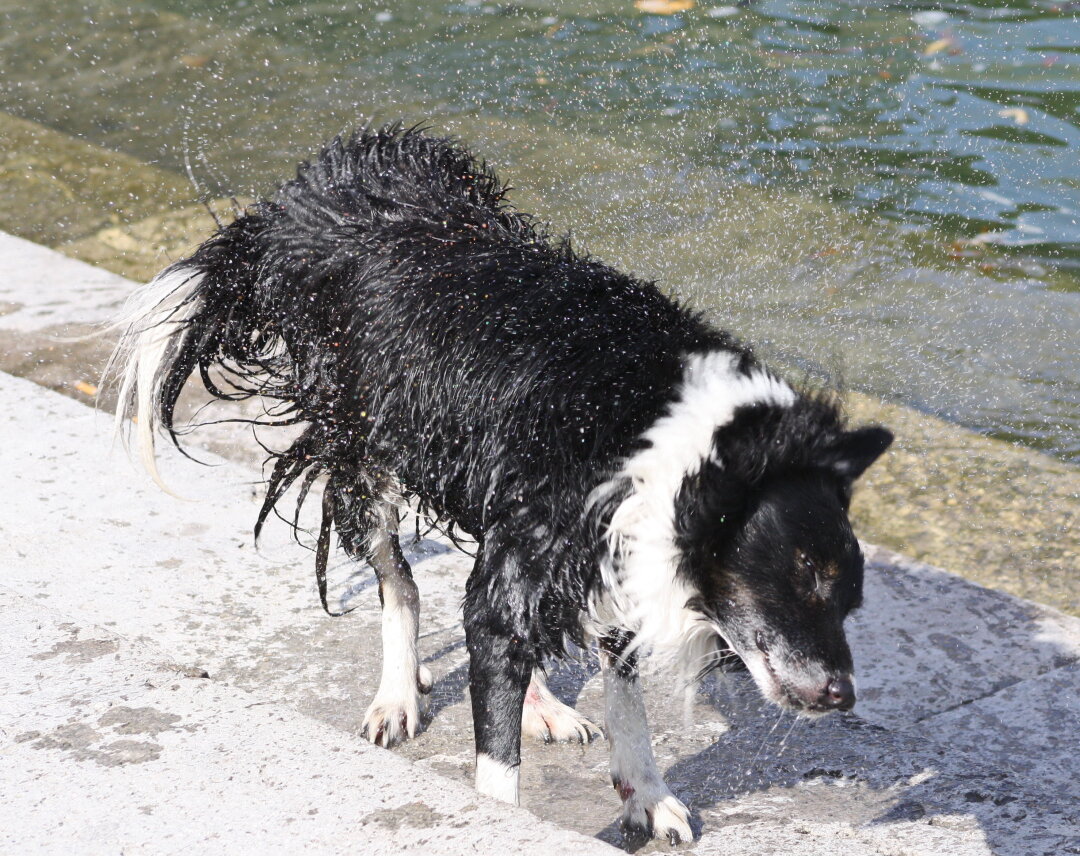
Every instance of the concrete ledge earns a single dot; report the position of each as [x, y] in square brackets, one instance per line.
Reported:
[119, 749]
[42, 289]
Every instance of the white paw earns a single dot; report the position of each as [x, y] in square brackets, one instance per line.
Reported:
[496, 779]
[546, 718]
[395, 715]
[424, 679]
[671, 820]
[666, 817]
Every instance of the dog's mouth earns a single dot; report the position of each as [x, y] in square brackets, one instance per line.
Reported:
[754, 659]
[778, 691]
[758, 661]
[727, 659]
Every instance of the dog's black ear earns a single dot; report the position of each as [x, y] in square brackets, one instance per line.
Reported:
[709, 508]
[854, 451]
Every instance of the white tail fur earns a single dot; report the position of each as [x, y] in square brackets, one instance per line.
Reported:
[154, 325]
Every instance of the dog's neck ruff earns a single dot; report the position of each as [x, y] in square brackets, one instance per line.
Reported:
[647, 594]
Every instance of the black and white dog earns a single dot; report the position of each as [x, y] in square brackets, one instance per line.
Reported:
[630, 474]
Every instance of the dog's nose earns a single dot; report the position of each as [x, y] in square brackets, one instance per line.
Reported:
[839, 694]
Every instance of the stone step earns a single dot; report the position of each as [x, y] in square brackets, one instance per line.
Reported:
[111, 746]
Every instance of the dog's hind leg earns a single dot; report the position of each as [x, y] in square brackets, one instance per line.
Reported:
[548, 719]
[368, 523]
[394, 714]
[650, 809]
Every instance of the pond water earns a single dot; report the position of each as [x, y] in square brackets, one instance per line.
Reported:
[884, 193]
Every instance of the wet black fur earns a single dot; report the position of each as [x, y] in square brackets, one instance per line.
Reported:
[424, 332]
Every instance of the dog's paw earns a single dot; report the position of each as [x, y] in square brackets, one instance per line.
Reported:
[546, 718]
[396, 716]
[389, 721]
[645, 818]
[424, 679]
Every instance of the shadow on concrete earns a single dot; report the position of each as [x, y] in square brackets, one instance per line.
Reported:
[975, 734]
[773, 766]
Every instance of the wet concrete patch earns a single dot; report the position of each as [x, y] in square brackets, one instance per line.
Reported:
[414, 814]
[138, 720]
[84, 743]
[121, 752]
[74, 737]
[80, 650]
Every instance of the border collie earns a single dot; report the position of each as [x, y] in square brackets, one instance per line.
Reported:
[630, 474]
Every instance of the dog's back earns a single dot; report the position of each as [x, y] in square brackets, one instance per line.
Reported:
[393, 302]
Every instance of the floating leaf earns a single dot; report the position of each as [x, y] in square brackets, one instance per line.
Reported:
[937, 46]
[663, 7]
[1017, 114]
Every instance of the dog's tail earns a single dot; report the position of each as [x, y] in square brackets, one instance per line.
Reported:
[204, 313]
[156, 333]
[256, 308]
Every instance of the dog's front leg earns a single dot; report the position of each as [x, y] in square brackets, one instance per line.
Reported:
[649, 806]
[499, 673]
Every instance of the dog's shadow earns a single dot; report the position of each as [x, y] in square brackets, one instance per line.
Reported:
[449, 688]
[773, 767]
[763, 749]
[566, 678]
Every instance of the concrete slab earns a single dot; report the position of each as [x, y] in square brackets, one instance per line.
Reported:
[110, 746]
[41, 288]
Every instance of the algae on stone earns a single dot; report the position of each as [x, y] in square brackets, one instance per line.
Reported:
[57, 188]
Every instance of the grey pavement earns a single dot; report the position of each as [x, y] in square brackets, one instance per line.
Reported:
[165, 685]
[110, 746]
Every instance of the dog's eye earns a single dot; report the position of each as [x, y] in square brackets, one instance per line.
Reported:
[806, 578]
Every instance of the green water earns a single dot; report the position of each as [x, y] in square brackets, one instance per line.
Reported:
[884, 193]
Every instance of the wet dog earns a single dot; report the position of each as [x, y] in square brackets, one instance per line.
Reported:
[630, 474]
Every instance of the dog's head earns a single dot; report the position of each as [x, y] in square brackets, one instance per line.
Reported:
[765, 541]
